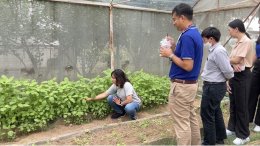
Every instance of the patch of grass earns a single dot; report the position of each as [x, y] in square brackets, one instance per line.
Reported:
[157, 121]
[142, 137]
[82, 140]
[154, 110]
[254, 137]
[229, 140]
[133, 125]
[117, 137]
[144, 124]
[164, 141]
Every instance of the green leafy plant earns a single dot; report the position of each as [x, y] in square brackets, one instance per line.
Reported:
[152, 89]
[27, 106]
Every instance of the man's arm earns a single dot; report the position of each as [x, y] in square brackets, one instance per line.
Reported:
[223, 63]
[186, 64]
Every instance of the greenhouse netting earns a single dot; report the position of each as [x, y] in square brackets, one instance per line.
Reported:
[65, 38]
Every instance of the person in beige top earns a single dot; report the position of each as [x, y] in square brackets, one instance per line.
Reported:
[241, 59]
[242, 54]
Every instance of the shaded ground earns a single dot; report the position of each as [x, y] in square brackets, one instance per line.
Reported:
[133, 133]
[142, 131]
[59, 128]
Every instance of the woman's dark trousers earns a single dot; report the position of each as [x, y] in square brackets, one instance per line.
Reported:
[239, 117]
[254, 110]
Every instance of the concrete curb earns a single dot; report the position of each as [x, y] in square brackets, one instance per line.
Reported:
[81, 132]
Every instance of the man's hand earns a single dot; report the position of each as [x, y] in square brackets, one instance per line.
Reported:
[165, 52]
[173, 44]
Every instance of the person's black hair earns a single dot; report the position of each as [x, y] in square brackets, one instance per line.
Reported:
[120, 77]
[247, 34]
[211, 32]
[183, 9]
[237, 23]
[258, 40]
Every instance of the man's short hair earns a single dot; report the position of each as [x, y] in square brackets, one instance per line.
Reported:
[183, 9]
[211, 32]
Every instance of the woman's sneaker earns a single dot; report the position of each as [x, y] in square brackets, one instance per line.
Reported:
[239, 141]
[117, 115]
[228, 132]
[257, 128]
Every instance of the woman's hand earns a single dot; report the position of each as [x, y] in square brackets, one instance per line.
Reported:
[236, 68]
[88, 99]
[117, 100]
[228, 88]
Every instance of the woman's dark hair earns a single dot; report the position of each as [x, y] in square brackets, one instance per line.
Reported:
[120, 77]
[211, 32]
[237, 23]
[183, 9]
[258, 40]
[248, 35]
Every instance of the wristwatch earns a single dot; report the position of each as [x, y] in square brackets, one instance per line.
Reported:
[170, 57]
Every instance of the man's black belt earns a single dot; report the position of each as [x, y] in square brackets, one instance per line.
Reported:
[206, 82]
[184, 81]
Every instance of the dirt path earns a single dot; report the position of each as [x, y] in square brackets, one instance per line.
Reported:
[142, 131]
[59, 128]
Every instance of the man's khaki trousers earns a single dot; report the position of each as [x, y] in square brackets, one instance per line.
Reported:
[181, 105]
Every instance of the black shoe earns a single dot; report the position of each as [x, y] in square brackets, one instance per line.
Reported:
[220, 142]
[117, 115]
[133, 118]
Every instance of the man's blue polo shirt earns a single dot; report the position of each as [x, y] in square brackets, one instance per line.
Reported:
[258, 50]
[189, 46]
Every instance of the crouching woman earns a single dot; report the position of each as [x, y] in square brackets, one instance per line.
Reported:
[121, 96]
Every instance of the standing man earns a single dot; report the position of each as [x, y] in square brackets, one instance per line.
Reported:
[185, 68]
[216, 72]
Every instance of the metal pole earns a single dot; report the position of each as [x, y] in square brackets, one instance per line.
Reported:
[256, 7]
[115, 5]
[252, 18]
[111, 37]
[195, 3]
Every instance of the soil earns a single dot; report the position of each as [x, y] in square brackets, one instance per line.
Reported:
[140, 131]
[148, 129]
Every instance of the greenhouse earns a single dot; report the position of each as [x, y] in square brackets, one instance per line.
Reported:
[57, 56]
[65, 38]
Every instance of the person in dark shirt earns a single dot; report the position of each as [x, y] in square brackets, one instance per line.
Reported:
[254, 110]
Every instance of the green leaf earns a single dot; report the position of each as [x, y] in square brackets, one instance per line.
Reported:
[2, 109]
[51, 99]
[11, 133]
[72, 100]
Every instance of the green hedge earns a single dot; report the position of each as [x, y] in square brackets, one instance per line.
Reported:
[27, 106]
